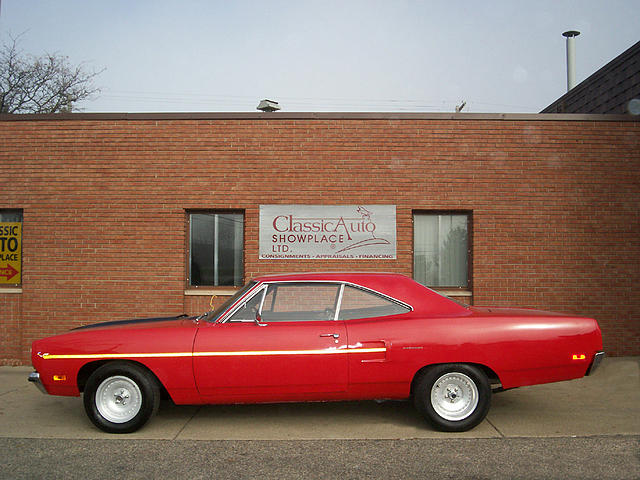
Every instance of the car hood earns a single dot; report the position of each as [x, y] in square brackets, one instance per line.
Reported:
[138, 322]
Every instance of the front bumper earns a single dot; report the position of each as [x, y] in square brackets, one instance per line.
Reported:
[597, 360]
[34, 377]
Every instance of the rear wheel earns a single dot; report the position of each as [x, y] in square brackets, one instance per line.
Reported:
[453, 397]
[121, 397]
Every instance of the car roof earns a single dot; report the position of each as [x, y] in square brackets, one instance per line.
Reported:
[354, 277]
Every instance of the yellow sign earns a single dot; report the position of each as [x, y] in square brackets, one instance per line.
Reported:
[10, 253]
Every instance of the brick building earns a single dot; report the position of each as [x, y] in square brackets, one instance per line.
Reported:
[135, 215]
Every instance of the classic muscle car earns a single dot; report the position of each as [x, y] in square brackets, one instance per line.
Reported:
[318, 337]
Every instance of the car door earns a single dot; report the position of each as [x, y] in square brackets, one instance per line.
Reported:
[375, 326]
[296, 351]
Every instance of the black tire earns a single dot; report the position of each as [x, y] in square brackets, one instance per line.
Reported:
[121, 397]
[453, 397]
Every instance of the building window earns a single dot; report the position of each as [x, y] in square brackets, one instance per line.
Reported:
[441, 249]
[10, 247]
[216, 244]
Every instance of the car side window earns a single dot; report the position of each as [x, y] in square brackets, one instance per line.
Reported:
[300, 302]
[247, 311]
[359, 303]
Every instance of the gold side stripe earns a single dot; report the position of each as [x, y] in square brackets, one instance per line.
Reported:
[48, 356]
[288, 352]
[249, 353]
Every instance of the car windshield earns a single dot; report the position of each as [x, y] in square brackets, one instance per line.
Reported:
[213, 315]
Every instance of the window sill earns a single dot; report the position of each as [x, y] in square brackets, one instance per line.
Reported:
[210, 292]
[454, 293]
[10, 290]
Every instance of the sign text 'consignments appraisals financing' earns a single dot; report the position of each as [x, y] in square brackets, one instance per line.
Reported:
[361, 232]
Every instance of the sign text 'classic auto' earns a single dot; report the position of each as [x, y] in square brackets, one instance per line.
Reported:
[328, 232]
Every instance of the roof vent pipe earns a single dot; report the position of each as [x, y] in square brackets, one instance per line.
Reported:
[571, 57]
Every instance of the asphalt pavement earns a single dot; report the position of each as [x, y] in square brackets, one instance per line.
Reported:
[585, 428]
[586, 458]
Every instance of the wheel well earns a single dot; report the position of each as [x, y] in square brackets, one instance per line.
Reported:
[85, 372]
[494, 380]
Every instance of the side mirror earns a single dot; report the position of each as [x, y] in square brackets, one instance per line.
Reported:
[259, 320]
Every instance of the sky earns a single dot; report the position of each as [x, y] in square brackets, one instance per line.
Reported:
[324, 56]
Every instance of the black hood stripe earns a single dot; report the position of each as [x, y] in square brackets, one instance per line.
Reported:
[130, 322]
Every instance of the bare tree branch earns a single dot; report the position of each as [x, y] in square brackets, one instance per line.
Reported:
[45, 84]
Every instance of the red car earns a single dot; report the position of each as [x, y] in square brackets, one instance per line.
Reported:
[317, 337]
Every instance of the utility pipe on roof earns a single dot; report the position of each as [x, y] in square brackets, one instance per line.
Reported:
[571, 57]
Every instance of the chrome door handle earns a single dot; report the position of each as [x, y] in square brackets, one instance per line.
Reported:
[334, 335]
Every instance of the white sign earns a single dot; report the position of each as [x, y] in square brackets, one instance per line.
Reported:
[328, 232]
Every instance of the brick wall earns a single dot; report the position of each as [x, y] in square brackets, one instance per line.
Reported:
[555, 206]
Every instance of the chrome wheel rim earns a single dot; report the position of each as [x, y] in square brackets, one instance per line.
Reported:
[454, 396]
[118, 399]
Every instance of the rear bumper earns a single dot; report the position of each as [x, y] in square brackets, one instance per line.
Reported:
[597, 359]
[34, 377]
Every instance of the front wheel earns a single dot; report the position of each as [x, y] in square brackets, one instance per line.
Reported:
[453, 397]
[121, 397]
